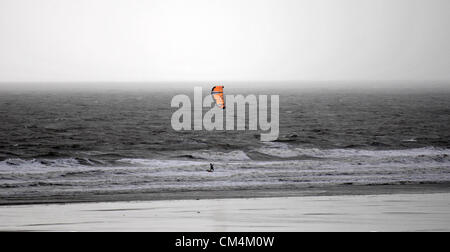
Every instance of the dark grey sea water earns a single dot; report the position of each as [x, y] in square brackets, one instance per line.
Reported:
[67, 143]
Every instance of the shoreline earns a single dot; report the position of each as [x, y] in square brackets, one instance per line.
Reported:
[336, 190]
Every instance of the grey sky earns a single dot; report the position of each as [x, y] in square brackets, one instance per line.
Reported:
[228, 40]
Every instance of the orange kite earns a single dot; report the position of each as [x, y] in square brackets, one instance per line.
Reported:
[217, 93]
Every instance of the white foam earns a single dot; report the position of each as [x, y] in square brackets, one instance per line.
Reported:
[426, 151]
[280, 150]
[157, 163]
[284, 151]
[221, 156]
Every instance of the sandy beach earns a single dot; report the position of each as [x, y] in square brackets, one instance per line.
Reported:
[389, 212]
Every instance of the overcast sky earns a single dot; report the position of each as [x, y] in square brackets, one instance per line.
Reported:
[227, 40]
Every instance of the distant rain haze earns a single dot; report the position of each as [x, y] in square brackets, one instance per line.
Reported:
[66, 43]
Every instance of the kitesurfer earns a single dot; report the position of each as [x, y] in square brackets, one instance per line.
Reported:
[211, 167]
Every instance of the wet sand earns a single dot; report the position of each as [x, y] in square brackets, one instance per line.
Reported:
[282, 191]
[387, 212]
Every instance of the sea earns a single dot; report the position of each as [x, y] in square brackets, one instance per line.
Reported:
[72, 143]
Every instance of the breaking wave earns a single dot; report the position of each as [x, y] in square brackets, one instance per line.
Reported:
[280, 150]
[273, 165]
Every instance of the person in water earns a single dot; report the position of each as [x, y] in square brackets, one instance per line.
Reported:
[211, 167]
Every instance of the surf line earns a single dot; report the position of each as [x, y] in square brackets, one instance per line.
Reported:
[214, 118]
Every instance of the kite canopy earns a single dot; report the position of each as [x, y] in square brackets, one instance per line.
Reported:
[217, 93]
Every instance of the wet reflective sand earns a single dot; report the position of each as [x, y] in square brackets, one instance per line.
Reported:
[396, 212]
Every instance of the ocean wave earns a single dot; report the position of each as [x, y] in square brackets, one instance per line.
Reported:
[269, 152]
[221, 156]
[159, 175]
[38, 163]
[214, 155]
[157, 163]
[281, 150]
[31, 184]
